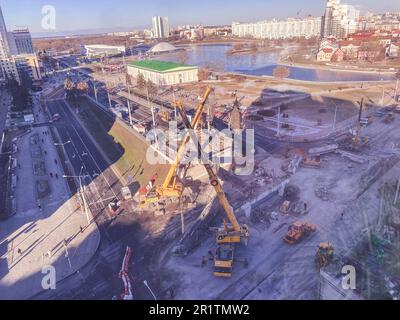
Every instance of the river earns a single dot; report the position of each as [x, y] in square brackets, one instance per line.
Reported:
[260, 64]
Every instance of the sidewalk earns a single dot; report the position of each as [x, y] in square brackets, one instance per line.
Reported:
[49, 227]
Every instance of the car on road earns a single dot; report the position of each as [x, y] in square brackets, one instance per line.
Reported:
[56, 117]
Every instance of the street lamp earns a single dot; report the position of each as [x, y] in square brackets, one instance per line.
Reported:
[62, 144]
[151, 291]
[82, 193]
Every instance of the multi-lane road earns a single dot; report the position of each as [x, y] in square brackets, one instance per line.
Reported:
[84, 157]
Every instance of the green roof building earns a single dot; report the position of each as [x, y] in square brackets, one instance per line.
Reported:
[164, 72]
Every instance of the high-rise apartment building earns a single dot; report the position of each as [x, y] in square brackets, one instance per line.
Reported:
[339, 20]
[16, 54]
[279, 29]
[4, 47]
[160, 27]
[23, 41]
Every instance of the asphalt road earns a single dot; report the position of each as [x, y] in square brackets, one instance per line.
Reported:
[99, 279]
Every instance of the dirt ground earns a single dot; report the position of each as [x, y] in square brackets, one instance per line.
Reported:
[342, 201]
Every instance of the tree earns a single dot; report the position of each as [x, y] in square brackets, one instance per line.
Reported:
[19, 93]
[151, 89]
[69, 87]
[141, 82]
[281, 72]
[253, 47]
[128, 79]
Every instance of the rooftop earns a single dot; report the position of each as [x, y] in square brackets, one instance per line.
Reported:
[160, 66]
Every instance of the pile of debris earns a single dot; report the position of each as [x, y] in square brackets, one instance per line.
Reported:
[323, 192]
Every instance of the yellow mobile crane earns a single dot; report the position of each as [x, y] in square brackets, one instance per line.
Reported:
[230, 233]
[171, 186]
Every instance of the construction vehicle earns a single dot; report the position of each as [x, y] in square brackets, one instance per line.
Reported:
[230, 233]
[298, 230]
[311, 162]
[285, 207]
[297, 208]
[324, 254]
[172, 187]
[126, 193]
[389, 118]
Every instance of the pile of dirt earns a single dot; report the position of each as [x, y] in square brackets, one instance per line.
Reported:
[323, 192]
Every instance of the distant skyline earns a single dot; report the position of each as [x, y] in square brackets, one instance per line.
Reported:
[92, 16]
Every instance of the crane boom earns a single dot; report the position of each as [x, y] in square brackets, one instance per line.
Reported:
[170, 180]
[214, 180]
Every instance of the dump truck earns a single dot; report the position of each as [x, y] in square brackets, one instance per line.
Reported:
[298, 230]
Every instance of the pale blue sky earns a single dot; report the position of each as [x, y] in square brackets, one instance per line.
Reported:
[128, 14]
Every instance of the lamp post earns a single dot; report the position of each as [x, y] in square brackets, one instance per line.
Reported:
[151, 291]
[82, 192]
[62, 144]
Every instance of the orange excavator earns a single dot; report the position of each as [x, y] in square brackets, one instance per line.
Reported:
[299, 230]
[229, 234]
[172, 187]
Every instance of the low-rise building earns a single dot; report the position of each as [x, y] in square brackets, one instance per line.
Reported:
[98, 50]
[350, 49]
[338, 56]
[325, 55]
[8, 69]
[393, 51]
[163, 73]
[29, 64]
[369, 52]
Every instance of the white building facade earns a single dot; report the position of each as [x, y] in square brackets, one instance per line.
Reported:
[164, 73]
[275, 29]
[23, 41]
[160, 27]
[98, 50]
[339, 20]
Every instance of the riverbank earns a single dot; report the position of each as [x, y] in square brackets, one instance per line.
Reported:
[331, 67]
[251, 51]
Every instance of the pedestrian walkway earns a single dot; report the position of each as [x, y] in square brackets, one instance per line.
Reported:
[49, 227]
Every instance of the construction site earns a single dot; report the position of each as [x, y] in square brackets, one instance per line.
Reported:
[322, 193]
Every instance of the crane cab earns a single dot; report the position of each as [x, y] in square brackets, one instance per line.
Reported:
[223, 260]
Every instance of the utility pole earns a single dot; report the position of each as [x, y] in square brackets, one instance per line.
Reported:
[396, 197]
[279, 120]
[335, 118]
[95, 90]
[150, 105]
[397, 88]
[109, 98]
[129, 105]
[85, 206]
[175, 113]
[383, 96]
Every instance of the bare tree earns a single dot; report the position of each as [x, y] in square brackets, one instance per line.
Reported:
[128, 79]
[141, 82]
[281, 72]
[151, 88]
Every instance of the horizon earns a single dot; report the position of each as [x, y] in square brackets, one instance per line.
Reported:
[99, 18]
